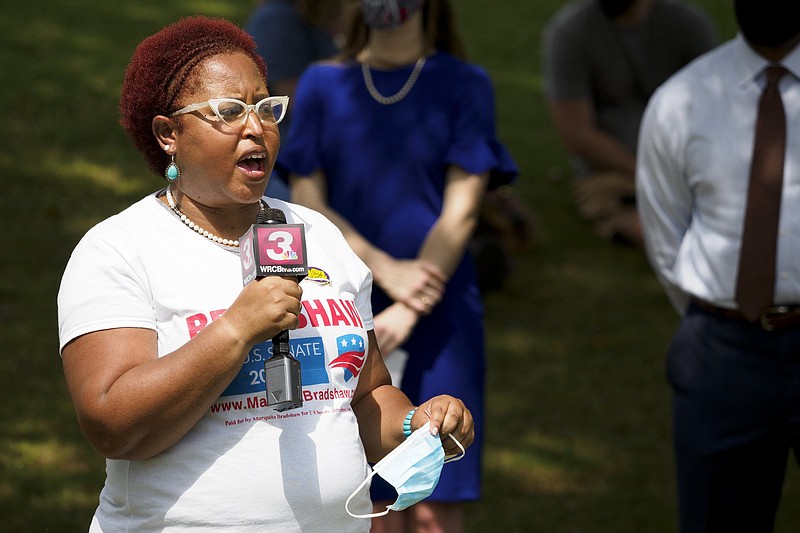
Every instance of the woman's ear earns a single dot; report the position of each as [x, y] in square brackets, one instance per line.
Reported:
[164, 131]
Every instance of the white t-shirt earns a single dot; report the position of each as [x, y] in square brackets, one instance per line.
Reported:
[244, 466]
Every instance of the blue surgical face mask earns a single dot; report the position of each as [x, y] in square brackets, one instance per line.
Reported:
[413, 469]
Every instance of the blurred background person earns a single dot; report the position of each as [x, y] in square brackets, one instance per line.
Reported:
[602, 59]
[290, 35]
[395, 142]
[718, 179]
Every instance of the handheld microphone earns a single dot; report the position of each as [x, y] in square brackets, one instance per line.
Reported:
[271, 247]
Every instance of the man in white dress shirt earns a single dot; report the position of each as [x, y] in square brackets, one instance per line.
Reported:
[735, 374]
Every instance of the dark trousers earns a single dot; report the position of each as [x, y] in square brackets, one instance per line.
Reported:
[736, 410]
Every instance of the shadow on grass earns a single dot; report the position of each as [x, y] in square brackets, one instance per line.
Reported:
[66, 165]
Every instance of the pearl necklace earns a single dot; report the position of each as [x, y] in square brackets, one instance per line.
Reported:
[399, 95]
[233, 243]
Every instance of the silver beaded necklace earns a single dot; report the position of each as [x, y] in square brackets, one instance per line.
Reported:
[233, 243]
[399, 95]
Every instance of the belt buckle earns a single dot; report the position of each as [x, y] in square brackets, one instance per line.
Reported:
[770, 312]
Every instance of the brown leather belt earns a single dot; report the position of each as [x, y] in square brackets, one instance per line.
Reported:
[771, 319]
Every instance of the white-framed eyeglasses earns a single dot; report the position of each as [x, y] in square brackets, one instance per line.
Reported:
[233, 112]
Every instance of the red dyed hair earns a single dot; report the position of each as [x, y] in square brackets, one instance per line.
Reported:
[161, 68]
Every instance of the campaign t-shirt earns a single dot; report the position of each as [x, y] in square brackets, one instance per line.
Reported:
[243, 466]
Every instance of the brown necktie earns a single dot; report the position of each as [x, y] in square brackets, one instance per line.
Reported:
[756, 280]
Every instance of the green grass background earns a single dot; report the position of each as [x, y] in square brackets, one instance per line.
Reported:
[578, 436]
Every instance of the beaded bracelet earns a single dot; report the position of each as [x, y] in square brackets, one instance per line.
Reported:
[407, 422]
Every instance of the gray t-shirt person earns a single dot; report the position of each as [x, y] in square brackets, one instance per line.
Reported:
[587, 55]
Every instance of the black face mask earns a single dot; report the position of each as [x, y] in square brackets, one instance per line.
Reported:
[615, 8]
[767, 22]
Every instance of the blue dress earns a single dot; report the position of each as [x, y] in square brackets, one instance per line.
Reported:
[385, 167]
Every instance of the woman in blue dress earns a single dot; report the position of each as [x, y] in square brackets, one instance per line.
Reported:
[395, 143]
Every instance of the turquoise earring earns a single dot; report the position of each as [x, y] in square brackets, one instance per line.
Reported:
[173, 171]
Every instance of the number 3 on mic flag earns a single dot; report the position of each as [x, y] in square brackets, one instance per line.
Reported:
[273, 250]
[278, 244]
